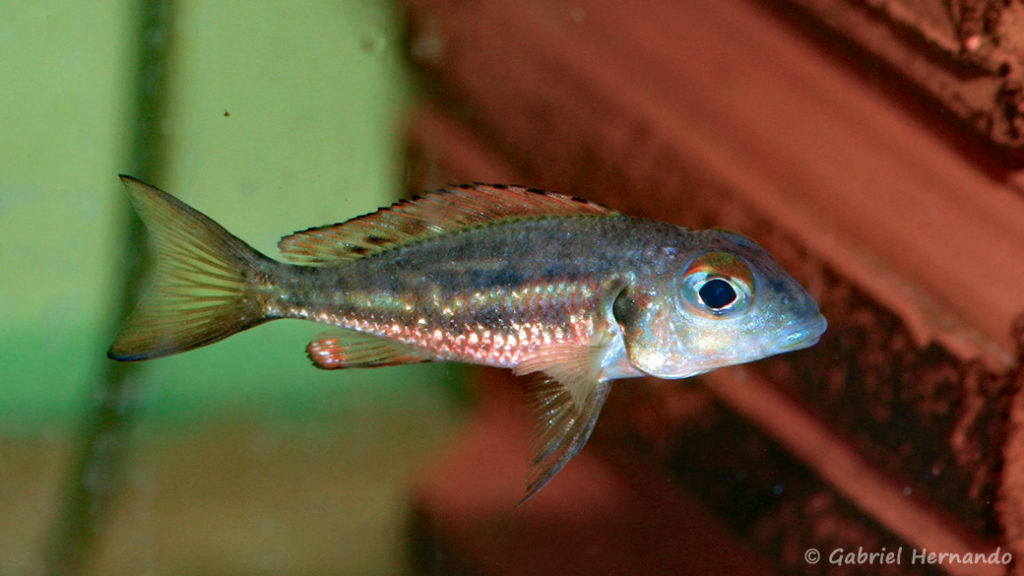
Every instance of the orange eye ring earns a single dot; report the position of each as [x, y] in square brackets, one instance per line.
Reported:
[718, 284]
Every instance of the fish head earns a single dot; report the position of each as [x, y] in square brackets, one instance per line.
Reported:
[727, 301]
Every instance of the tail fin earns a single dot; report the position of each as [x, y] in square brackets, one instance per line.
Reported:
[202, 291]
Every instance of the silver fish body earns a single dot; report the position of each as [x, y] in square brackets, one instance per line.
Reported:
[493, 275]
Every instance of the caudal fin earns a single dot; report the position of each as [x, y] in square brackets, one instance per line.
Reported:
[203, 289]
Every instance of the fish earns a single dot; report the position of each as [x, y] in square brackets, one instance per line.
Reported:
[570, 291]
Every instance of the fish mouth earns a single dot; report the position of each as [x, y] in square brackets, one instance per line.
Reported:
[802, 335]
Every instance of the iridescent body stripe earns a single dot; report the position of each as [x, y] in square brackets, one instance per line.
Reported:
[483, 296]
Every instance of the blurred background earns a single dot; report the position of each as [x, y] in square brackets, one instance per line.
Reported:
[238, 458]
[872, 153]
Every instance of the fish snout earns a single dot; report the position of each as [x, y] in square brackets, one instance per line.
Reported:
[801, 335]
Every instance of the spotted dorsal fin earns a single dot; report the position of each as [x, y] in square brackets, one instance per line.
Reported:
[434, 213]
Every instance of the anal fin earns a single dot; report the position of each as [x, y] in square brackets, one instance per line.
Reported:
[567, 403]
[348, 349]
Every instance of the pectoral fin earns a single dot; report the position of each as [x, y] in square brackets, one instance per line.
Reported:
[566, 404]
[348, 349]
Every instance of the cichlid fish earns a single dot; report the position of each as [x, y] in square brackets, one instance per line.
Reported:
[494, 275]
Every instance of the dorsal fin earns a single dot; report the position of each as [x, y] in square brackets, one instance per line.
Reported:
[434, 213]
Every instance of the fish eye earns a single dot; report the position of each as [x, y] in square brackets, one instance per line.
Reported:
[718, 284]
[717, 293]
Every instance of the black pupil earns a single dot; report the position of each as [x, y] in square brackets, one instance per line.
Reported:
[717, 293]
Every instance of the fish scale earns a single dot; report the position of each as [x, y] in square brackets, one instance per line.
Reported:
[484, 274]
[476, 313]
[487, 332]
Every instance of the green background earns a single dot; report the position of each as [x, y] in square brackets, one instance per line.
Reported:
[314, 94]
[244, 459]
